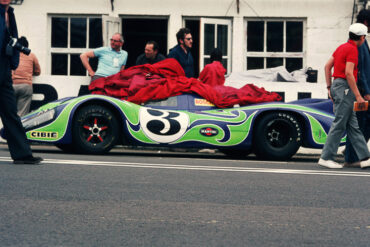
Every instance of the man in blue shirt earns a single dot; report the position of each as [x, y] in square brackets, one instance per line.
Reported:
[111, 59]
[363, 117]
[19, 147]
[181, 52]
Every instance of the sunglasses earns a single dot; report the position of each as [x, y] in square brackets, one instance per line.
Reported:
[189, 38]
[114, 40]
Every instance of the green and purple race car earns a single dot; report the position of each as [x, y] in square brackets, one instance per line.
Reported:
[94, 124]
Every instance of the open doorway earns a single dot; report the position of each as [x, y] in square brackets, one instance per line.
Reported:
[137, 31]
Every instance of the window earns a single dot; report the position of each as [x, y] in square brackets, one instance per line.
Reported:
[272, 43]
[71, 36]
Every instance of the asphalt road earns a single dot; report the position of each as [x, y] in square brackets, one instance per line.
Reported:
[151, 198]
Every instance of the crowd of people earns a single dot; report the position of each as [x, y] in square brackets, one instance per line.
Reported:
[350, 61]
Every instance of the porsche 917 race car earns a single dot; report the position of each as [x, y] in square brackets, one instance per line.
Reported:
[94, 124]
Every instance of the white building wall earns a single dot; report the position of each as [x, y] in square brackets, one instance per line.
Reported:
[326, 28]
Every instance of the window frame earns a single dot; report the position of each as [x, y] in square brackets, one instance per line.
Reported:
[68, 50]
[283, 54]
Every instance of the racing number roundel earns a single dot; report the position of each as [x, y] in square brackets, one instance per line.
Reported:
[163, 126]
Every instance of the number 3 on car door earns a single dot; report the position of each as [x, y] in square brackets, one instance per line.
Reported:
[163, 126]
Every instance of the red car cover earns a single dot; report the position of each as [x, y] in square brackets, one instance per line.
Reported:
[166, 78]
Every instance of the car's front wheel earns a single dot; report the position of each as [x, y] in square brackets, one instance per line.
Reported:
[95, 130]
[277, 136]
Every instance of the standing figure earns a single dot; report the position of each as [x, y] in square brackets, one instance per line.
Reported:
[181, 52]
[363, 84]
[344, 92]
[19, 147]
[214, 73]
[150, 54]
[111, 59]
[22, 78]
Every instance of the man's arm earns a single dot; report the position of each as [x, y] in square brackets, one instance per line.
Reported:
[328, 67]
[36, 66]
[85, 62]
[352, 82]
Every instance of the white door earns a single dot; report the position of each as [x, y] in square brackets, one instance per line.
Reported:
[215, 33]
[111, 25]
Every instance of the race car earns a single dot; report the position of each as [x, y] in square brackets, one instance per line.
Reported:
[94, 124]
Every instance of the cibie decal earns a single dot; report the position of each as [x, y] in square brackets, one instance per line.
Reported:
[202, 102]
[208, 131]
[163, 126]
[44, 134]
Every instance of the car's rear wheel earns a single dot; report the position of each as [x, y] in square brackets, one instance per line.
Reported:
[95, 130]
[277, 136]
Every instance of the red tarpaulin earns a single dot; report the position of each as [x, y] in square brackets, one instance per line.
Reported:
[166, 78]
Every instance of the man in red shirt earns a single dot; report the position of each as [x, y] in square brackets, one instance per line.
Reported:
[344, 92]
[214, 73]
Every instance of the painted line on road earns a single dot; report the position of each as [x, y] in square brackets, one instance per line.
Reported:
[203, 168]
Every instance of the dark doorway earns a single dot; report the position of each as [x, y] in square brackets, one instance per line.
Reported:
[137, 31]
[194, 26]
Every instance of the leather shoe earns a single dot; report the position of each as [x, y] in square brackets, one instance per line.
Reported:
[28, 160]
[352, 165]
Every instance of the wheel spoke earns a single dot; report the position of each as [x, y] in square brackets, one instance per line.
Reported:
[95, 121]
[101, 139]
[104, 128]
[89, 138]
[87, 127]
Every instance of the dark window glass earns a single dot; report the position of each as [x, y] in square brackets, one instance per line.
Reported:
[272, 62]
[255, 32]
[255, 63]
[282, 94]
[294, 36]
[209, 38]
[304, 95]
[76, 65]
[222, 38]
[94, 63]
[275, 36]
[207, 61]
[59, 64]
[293, 64]
[95, 33]
[224, 63]
[59, 32]
[78, 32]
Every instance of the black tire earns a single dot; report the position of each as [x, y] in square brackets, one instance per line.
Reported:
[277, 136]
[67, 148]
[94, 130]
[235, 153]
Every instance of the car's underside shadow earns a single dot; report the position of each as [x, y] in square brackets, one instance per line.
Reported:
[176, 153]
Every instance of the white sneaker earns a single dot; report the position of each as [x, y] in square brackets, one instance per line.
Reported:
[365, 163]
[330, 164]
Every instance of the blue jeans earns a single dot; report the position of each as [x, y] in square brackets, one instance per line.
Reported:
[363, 118]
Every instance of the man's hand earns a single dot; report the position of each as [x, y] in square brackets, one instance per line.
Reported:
[367, 97]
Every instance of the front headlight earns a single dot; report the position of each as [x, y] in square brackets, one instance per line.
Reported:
[38, 119]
